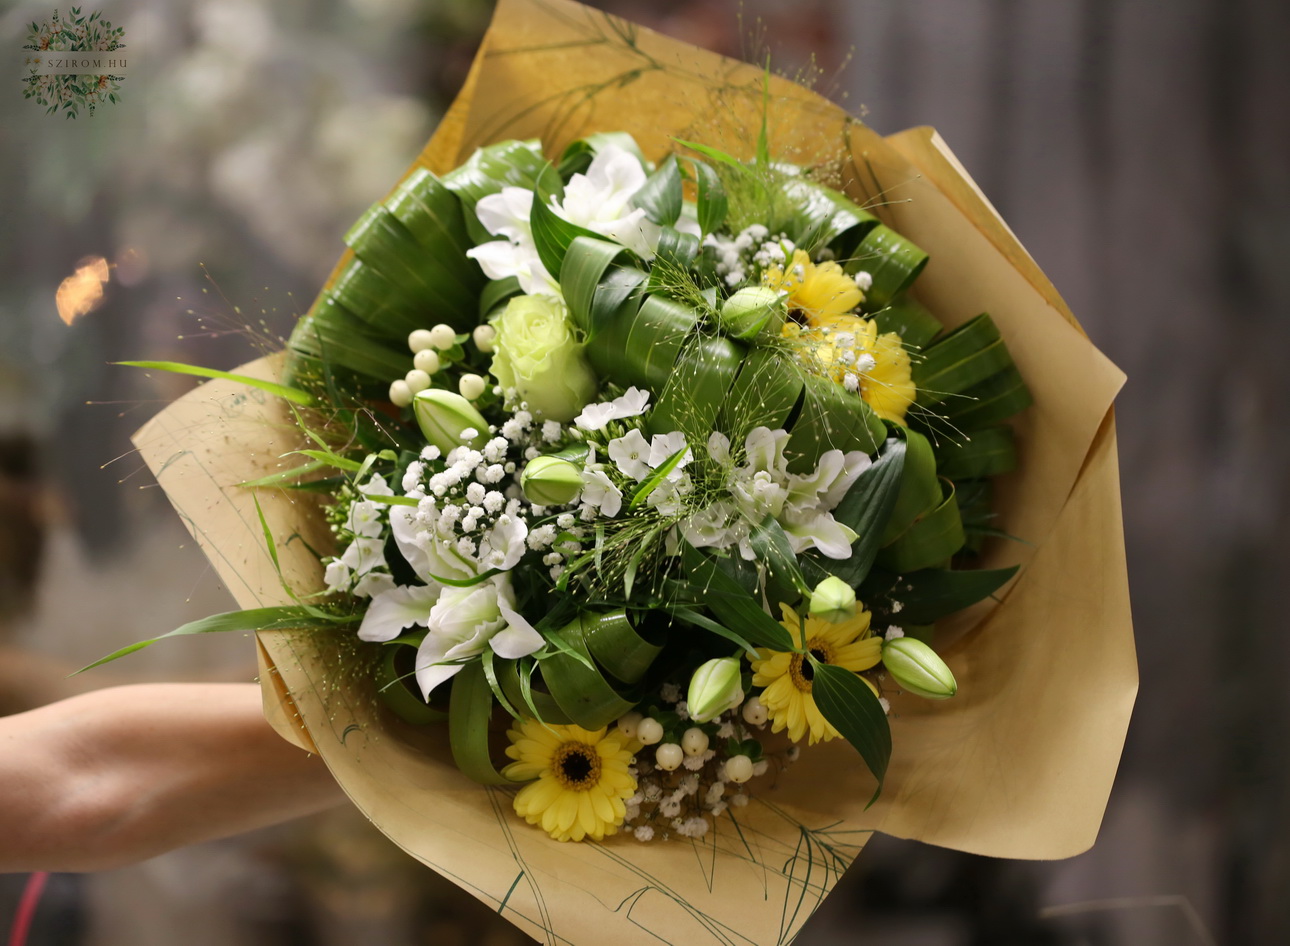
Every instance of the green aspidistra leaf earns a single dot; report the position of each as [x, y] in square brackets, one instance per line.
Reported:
[846, 701]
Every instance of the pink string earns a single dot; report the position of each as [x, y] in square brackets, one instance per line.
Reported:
[27, 908]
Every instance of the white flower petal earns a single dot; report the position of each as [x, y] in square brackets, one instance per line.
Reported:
[518, 638]
[392, 611]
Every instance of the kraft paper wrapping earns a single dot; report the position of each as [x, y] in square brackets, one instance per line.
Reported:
[1019, 764]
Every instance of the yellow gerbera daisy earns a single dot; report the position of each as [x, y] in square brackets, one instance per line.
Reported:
[787, 676]
[582, 778]
[816, 290]
[878, 362]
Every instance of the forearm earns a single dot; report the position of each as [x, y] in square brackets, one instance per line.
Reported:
[120, 775]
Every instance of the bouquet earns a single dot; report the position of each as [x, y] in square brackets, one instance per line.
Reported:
[630, 456]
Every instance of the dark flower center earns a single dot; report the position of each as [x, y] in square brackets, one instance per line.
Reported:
[801, 669]
[577, 766]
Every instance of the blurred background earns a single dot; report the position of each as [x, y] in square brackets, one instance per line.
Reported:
[1137, 148]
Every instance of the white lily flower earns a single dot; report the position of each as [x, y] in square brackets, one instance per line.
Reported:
[501, 258]
[466, 621]
[600, 200]
[507, 213]
[397, 609]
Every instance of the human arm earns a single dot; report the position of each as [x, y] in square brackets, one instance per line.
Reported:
[119, 775]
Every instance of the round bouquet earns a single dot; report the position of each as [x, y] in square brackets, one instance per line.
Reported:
[650, 475]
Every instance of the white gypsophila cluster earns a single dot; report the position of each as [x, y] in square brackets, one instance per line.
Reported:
[735, 255]
[761, 486]
[361, 569]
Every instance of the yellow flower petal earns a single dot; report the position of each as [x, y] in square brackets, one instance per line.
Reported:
[582, 779]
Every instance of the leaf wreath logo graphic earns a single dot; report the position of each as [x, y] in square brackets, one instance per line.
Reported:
[77, 41]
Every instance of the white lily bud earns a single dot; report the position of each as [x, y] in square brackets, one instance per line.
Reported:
[714, 688]
[918, 668]
[444, 415]
[834, 600]
[551, 481]
[752, 310]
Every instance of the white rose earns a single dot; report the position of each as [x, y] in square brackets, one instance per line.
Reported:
[537, 354]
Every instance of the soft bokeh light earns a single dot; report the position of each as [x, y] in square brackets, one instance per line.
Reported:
[82, 292]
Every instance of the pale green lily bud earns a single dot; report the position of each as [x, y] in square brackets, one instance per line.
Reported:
[834, 600]
[752, 310]
[444, 416]
[918, 668]
[714, 688]
[551, 481]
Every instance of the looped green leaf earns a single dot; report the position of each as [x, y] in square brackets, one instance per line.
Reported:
[931, 541]
[470, 711]
[867, 507]
[576, 685]
[660, 195]
[891, 260]
[395, 682]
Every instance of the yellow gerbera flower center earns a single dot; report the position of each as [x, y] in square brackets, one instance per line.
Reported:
[786, 677]
[800, 668]
[576, 766]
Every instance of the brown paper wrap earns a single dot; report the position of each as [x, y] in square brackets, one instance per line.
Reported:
[1019, 764]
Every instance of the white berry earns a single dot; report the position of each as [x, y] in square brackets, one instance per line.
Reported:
[694, 741]
[443, 337]
[484, 336]
[754, 713]
[669, 756]
[420, 340]
[471, 386]
[739, 768]
[649, 731]
[628, 723]
[417, 381]
[427, 359]
[400, 393]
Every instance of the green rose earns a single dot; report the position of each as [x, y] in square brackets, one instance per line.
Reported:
[536, 353]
